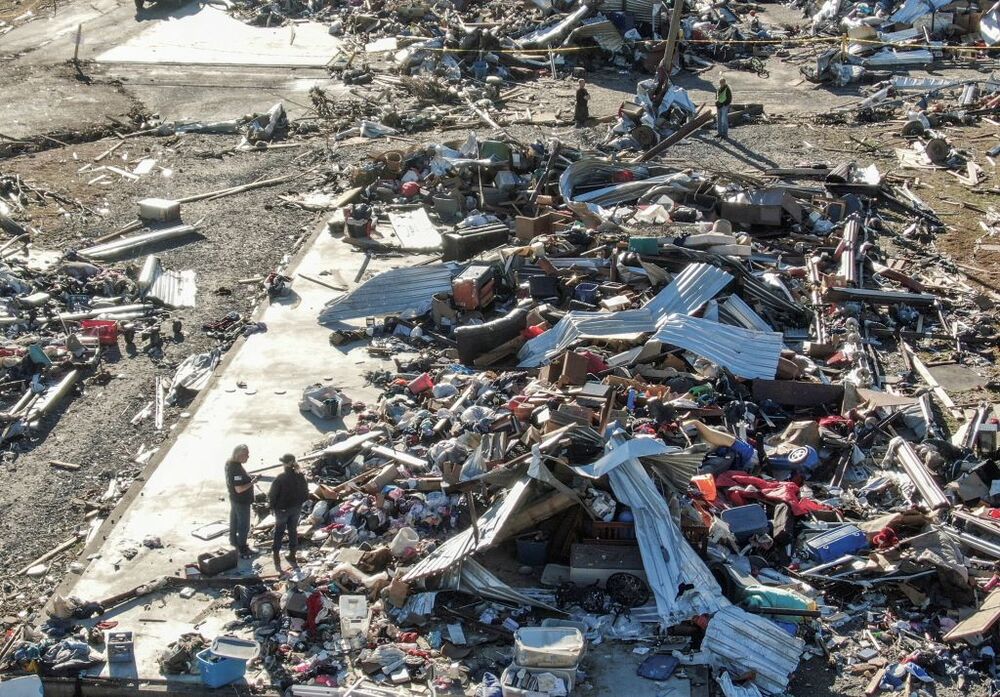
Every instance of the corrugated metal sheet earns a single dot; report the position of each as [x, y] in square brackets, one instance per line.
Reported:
[914, 9]
[489, 525]
[475, 579]
[736, 310]
[392, 291]
[692, 288]
[171, 288]
[602, 31]
[731, 690]
[746, 353]
[741, 642]
[667, 558]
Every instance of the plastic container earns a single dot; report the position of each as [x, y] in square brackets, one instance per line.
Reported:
[421, 383]
[746, 521]
[587, 292]
[833, 544]
[531, 551]
[229, 646]
[548, 647]
[706, 485]
[763, 597]
[559, 622]
[543, 286]
[568, 676]
[354, 617]
[105, 330]
[644, 245]
[406, 538]
[217, 671]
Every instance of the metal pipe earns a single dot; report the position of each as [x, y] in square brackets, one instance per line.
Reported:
[918, 474]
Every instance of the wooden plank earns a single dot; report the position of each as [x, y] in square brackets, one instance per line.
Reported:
[59, 464]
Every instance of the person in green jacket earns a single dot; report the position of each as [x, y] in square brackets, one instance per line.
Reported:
[723, 98]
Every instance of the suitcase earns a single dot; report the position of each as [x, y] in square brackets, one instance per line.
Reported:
[833, 544]
[473, 288]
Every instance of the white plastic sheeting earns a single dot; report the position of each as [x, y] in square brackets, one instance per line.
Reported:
[741, 642]
[692, 288]
[667, 557]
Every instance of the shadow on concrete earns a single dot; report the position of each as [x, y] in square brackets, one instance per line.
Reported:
[164, 9]
[287, 299]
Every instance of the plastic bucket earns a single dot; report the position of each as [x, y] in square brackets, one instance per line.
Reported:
[587, 292]
[406, 538]
[531, 551]
[706, 485]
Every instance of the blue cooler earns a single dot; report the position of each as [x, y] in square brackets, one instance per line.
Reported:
[746, 521]
[833, 544]
[225, 661]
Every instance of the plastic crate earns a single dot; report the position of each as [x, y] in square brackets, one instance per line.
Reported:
[217, 671]
[568, 676]
[610, 533]
[548, 647]
[697, 536]
[105, 330]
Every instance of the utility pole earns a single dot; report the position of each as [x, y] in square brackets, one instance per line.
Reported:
[667, 61]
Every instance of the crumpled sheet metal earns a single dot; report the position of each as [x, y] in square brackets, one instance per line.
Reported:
[747, 353]
[172, 288]
[593, 171]
[912, 10]
[460, 546]
[392, 291]
[742, 642]
[667, 557]
[476, 580]
[692, 288]
[548, 36]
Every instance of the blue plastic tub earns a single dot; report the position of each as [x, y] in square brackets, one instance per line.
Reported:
[833, 544]
[587, 292]
[532, 551]
[746, 521]
[217, 671]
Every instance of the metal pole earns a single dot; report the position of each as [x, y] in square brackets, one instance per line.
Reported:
[668, 53]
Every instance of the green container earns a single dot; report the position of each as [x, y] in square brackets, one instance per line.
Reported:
[644, 245]
[495, 148]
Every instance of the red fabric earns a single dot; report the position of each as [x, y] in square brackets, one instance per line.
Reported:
[772, 492]
[314, 603]
[885, 538]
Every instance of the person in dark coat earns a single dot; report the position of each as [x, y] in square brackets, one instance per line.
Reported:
[582, 112]
[288, 492]
[239, 484]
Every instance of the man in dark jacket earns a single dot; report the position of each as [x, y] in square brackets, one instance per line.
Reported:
[239, 484]
[288, 492]
[723, 98]
[581, 113]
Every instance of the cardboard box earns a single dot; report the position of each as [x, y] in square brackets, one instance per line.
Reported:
[568, 369]
[528, 229]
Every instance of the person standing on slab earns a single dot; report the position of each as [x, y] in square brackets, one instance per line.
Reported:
[723, 98]
[240, 485]
[581, 114]
[288, 492]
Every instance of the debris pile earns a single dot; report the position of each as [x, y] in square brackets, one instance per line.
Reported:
[633, 404]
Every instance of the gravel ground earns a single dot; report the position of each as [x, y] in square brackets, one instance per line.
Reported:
[243, 236]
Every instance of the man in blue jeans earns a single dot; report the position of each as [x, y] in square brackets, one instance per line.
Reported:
[239, 484]
[288, 492]
[723, 98]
